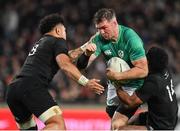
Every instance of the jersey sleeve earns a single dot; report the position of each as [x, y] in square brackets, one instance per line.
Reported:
[96, 41]
[60, 46]
[147, 90]
[135, 45]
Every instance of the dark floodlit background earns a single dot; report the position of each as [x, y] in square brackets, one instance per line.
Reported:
[156, 21]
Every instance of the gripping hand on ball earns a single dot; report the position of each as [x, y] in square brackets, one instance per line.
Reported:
[111, 74]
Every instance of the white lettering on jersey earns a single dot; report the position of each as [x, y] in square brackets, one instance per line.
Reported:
[170, 91]
[33, 50]
[107, 52]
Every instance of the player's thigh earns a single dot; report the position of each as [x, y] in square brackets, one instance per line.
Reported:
[39, 101]
[18, 109]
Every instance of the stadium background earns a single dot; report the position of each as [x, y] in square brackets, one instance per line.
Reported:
[156, 21]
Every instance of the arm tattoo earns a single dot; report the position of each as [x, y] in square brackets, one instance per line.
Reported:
[74, 54]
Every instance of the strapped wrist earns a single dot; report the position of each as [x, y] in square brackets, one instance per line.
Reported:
[83, 47]
[83, 80]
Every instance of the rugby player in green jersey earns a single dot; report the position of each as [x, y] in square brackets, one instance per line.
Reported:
[114, 40]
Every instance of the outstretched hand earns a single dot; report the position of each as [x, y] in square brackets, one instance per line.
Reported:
[93, 84]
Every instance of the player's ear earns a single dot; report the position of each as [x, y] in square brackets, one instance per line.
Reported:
[115, 22]
[60, 31]
[57, 30]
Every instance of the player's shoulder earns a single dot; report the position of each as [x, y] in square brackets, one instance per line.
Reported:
[52, 40]
[152, 76]
[126, 29]
[46, 40]
[128, 32]
[48, 37]
[158, 78]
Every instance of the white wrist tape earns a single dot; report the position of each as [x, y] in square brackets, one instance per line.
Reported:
[83, 80]
[83, 47]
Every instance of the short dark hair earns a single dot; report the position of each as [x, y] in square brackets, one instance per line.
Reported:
[157, 59]
[49, 22]
[102, 14]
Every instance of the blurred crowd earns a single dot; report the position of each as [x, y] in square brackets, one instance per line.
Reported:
[156, 21]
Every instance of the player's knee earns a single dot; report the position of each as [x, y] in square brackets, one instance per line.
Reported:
[117, 124]
[53, 119]
[118, 121]
[55, 123]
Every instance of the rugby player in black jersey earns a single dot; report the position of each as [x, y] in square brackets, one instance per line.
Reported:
[159, 94]
[28, 93]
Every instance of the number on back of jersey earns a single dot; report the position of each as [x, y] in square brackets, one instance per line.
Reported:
[33, 50]
[170, 90]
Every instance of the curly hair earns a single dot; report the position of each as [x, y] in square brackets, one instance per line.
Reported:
[49, 22]
[157, 59]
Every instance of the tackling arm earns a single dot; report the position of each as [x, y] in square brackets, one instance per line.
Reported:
[141, 95]
[131, 101]
[74, 54]
[65, 64]
[71, 70]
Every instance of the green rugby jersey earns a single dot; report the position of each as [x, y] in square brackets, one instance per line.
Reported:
[128, 47]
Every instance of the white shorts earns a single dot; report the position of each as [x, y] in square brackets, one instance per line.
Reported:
[112, 98]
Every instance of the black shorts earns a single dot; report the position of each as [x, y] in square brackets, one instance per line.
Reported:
[121, 109]
[110, 110]
[143, 120]
[27, 96]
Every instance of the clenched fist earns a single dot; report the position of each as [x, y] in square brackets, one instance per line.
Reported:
[90, 49]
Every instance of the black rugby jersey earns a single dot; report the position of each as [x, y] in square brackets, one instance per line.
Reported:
[159, 94]
[41, 60]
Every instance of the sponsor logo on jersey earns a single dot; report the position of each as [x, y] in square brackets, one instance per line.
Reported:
[107, 52]
[120, 53]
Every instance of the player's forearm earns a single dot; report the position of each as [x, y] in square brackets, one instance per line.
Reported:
[133, 73]
[74, 54]
[140, 70]
[128, 100]
[71, 71]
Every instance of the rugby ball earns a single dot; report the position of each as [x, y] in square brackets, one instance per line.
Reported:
[118, 65]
